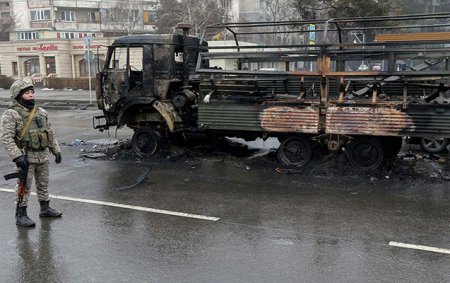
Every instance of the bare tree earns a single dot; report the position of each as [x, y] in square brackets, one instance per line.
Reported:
[168, 14]
[281, 10]
[320, 9]
[8, 24]
[197, 13]
[126, 16]
[313, 9]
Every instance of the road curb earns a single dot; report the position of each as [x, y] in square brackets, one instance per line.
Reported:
[56, 104]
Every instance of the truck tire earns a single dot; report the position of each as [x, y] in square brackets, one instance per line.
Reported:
[145, 141]
[433, 145]
[295, 151]
[365, 153]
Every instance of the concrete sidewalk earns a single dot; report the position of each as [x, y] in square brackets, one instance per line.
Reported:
[57, 98]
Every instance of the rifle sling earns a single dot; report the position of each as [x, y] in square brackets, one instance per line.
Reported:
[27, 123]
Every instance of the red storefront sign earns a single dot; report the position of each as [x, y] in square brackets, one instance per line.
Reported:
[81, 46]
[40, 47]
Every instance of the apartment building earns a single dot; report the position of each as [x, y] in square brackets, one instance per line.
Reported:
[244, 10]
[50, 37]
[6, 22]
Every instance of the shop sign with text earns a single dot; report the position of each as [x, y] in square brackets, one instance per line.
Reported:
[40, 47]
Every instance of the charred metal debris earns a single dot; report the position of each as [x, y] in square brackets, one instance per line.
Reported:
[353, 85]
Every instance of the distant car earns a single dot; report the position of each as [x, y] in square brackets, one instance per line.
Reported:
[363, 68]
[376, 67]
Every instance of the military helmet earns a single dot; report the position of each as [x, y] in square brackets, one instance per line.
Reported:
[19, 87]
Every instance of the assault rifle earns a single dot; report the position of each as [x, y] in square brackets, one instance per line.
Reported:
[22, 176]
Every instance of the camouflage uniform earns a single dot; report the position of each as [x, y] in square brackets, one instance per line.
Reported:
[12, 123]
[32, 149]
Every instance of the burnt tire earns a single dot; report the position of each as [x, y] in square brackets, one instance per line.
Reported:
[365, 153]
[145, 142]
[295, 151]
[433, 145]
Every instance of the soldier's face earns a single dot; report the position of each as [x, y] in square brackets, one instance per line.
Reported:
[28, 95]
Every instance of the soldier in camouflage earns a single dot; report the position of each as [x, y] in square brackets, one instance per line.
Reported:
[29, 147]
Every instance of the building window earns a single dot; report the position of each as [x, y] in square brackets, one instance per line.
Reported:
[68, 16]
[69, 35]
[227, 4]
[32, 66]
[94, 17]
[40, 15]
[262, 4]
[149, 17]
[27, 35]
[134, 14]
[15, 71]
[50, 66]
[96, 65]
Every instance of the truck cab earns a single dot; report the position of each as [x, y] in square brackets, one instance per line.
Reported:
[148, 82]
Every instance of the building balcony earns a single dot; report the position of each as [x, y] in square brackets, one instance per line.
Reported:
[96, 3]
[41, 24]
[77, 4]
[39, 3]
[88, 26]
[77, 26]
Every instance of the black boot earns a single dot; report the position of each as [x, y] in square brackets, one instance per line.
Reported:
[47, 211]
[22, 217]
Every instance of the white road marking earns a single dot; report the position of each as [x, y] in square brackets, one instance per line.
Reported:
[126, 206]
[419, 247]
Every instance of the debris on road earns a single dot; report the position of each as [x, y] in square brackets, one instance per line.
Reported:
[94, 155]
[407, 166]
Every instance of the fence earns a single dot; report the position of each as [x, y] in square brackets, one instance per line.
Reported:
[5, 82]
[77, 83]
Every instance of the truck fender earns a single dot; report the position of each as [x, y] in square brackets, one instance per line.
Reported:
[128, 104]
[167, 111]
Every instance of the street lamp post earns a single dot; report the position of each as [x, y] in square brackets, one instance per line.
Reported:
[88, 41]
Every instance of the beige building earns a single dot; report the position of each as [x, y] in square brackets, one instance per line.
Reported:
[245, 10]
[50, 37]
[60, 57]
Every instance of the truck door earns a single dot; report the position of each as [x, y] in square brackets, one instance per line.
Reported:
[122, 75]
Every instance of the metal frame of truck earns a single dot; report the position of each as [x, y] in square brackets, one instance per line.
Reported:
[364, 112]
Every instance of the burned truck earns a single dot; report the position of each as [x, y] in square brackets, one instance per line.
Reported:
[303, 82]
[149, 84]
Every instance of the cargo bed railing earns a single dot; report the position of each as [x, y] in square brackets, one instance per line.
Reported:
[335, 64]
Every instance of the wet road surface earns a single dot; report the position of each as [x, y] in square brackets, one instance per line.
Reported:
[264, 226]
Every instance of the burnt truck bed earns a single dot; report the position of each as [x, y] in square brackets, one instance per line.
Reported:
[305, 117]
[272, 86]
[362, 97]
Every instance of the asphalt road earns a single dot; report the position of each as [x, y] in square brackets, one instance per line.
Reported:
[211, 220]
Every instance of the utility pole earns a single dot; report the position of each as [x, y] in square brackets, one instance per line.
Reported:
[88, 56]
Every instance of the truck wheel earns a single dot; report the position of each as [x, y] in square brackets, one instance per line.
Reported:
[295, 151]
[145, 141]
[433, 145]
[365, 153]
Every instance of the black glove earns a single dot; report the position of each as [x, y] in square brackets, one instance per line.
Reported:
[21, 162]
[58, 157]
